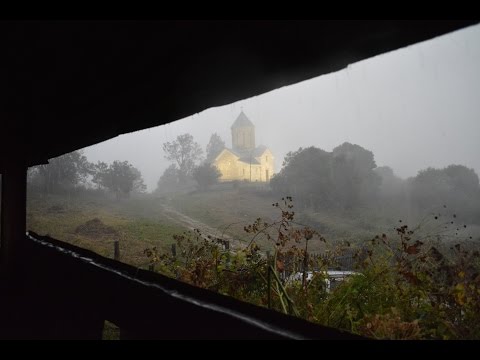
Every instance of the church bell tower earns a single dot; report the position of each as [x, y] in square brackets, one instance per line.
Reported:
[243, 134]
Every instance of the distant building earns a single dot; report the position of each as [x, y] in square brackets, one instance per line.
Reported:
[245, 161]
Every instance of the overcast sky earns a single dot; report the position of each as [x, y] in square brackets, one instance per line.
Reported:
[415, 107]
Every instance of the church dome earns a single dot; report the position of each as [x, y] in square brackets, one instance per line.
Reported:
[242, 121]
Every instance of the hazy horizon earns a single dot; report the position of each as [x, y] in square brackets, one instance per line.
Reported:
[414, 108]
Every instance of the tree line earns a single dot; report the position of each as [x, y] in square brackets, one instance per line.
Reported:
[347, 178]
[188, 165]
[73, 171]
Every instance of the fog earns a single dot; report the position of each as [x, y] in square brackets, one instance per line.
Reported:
[413, 108]
[385, 193]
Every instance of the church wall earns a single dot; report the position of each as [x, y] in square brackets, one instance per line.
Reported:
[267, 162]
[232, 169]
[245, 169]
[226, 162]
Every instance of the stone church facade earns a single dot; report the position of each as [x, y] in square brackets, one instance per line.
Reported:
[244, 161]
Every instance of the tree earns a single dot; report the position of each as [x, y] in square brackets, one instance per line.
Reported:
[169, 180]
[306, 176]
[343, 178]
[138, 184]
[455, 186]
[121, 178]
[355, 181]
[362, 158]
[185, 152]
[214, 147]
[391, 184]
[61, 173]
[206, 175]
[392, 193]
[462, 179]
[100, 169]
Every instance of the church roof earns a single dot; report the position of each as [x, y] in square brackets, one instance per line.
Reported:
[249, 160]
[242, 121]
[259, 150]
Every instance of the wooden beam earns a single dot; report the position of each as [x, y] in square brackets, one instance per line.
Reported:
[13, 223]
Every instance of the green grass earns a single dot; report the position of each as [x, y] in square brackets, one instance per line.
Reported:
[233, 209]
[141, 222]
[226, 210]
[110, 331]
[138, 222]
[383, 290]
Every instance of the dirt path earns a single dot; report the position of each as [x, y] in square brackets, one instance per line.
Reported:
[190, 223]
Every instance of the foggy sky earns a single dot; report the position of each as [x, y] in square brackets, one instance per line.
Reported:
[414, 107]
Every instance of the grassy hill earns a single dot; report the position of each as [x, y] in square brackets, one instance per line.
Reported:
[229, 210]
[148, 221]
[137, 223]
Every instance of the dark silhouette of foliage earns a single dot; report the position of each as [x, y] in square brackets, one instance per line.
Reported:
[214, 147]
[307, 176]
[405, 284]
[169, 180]
[206, 175]
[343, 178]
[456, 186]
[61, 173]
[121, 178]
[356, 183]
